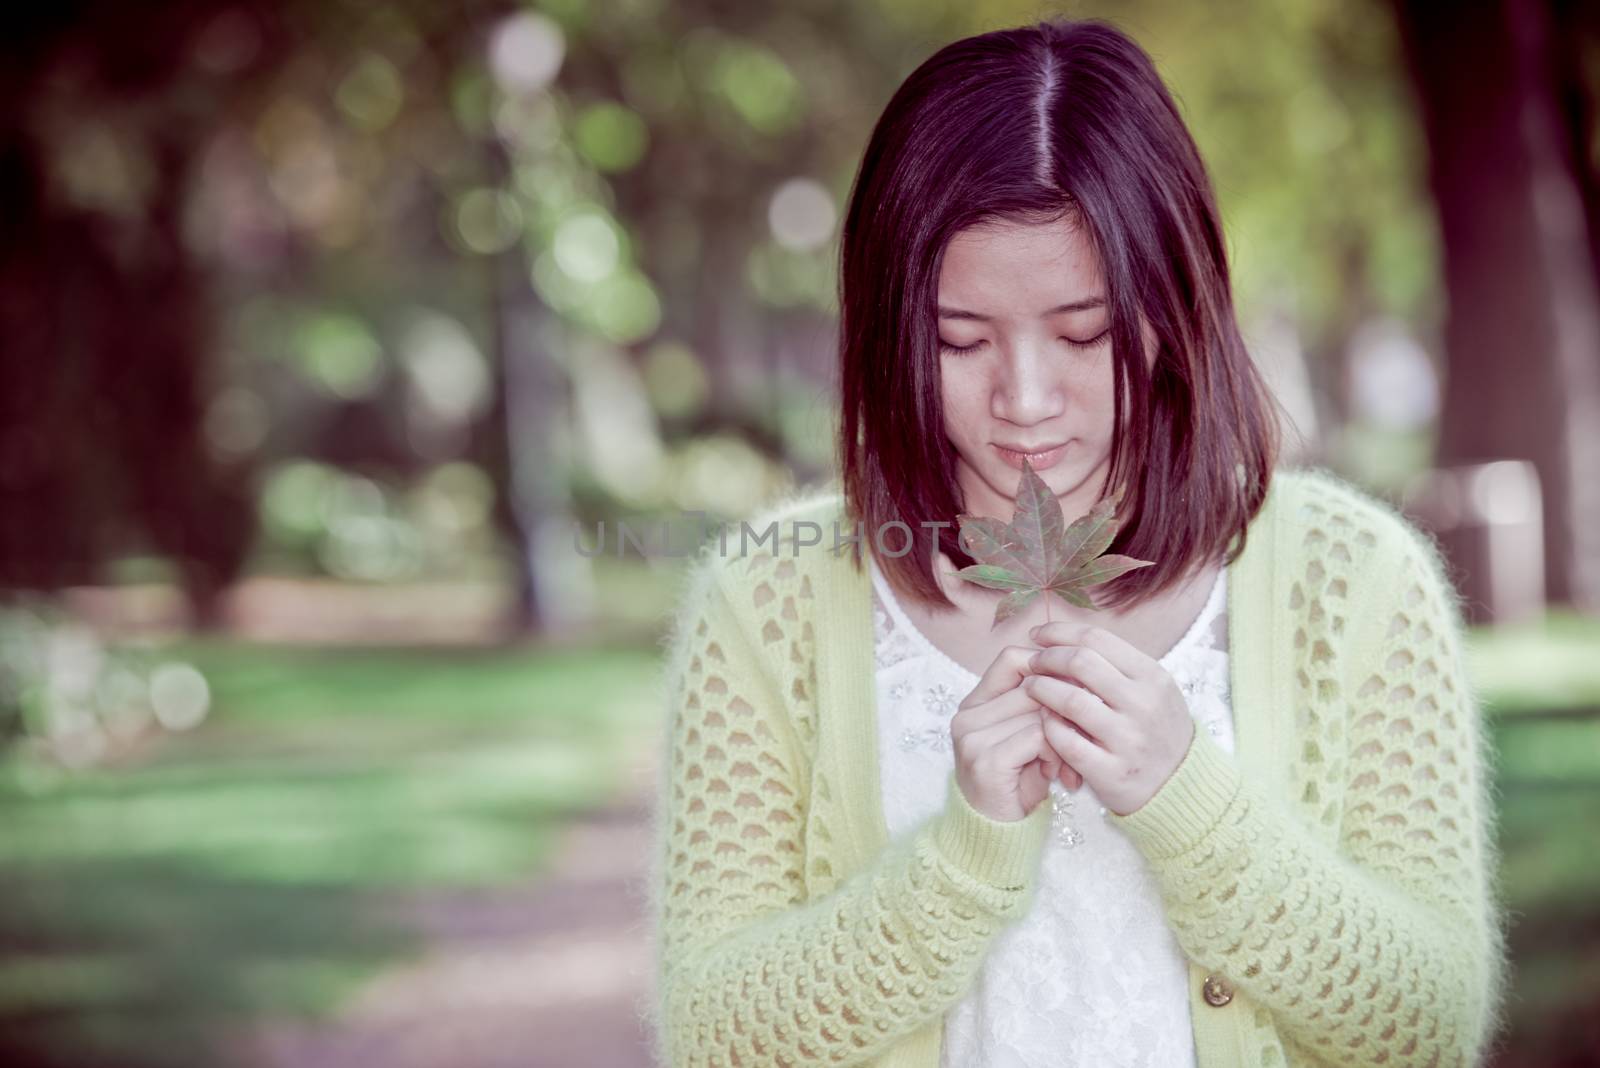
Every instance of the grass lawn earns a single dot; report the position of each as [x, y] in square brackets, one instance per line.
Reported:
[231, 870]
[1540, 683]
[227, 871]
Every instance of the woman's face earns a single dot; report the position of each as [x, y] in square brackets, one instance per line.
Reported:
[1029, 304]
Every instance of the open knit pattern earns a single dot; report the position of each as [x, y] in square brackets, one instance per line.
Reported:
[1339, 869]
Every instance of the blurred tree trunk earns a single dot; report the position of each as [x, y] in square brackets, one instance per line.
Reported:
[717, 339]
[1522, 335]
[150, 364]
[1328, 352]
[106, 319]
[1577, 39]
[533, 505]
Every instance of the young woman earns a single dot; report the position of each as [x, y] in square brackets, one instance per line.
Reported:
[1238, 814]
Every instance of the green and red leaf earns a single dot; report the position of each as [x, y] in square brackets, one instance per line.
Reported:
[1036, 552]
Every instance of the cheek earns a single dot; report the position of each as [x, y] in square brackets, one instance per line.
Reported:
[958, 393]
[1096, 401]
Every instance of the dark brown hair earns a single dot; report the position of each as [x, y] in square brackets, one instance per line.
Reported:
[1063, 119]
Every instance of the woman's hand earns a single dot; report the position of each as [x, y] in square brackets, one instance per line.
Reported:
[1004, 765]
[980, 602]
[1119, 717]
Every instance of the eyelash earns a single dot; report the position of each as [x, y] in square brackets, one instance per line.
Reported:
[959, 350]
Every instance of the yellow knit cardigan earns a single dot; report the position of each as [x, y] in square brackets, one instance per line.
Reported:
[1332, 882]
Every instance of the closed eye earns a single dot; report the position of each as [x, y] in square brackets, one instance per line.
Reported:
[963, 350]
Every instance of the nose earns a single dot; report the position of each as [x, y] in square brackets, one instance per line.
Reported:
[1028, 385]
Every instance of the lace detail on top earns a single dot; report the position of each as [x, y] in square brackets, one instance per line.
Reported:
[1092, 975]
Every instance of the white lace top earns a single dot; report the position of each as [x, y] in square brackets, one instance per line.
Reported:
[1092, 975]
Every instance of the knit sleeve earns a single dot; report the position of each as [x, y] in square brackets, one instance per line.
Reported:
[749, 971]
[1386, 948]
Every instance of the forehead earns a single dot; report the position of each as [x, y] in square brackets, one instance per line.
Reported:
[1018, 270]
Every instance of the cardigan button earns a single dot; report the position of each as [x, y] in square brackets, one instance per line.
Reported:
[1216, 990]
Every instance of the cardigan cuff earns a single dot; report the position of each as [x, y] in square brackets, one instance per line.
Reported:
[1000, 853]
[1188, 805]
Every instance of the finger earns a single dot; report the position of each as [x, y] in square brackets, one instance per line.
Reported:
[988, 738]
[1007, 745]
[1009, 705]
[1022, 748]
[1119, 653]
[1068, 776]
[1034, 776]
[1049, 763]
[1075, 749]
[1008, 669]
[1090, 669]
[1080, 706]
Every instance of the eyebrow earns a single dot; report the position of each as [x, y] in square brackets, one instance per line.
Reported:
[1076, 305]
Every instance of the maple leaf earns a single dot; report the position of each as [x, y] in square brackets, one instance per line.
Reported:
[1037, 553]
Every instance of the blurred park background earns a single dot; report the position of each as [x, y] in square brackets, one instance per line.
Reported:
[326, 326]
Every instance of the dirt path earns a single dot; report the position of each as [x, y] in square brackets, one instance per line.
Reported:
[547, 975]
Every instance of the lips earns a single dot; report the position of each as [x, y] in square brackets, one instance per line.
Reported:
[1039, 459]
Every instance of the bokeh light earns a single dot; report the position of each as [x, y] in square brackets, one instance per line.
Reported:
[179, 695]
[525, 52]
[339, 354]
[801, 214]
[586, 247]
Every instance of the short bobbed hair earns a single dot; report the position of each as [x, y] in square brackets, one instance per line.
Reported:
[1059, 120]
